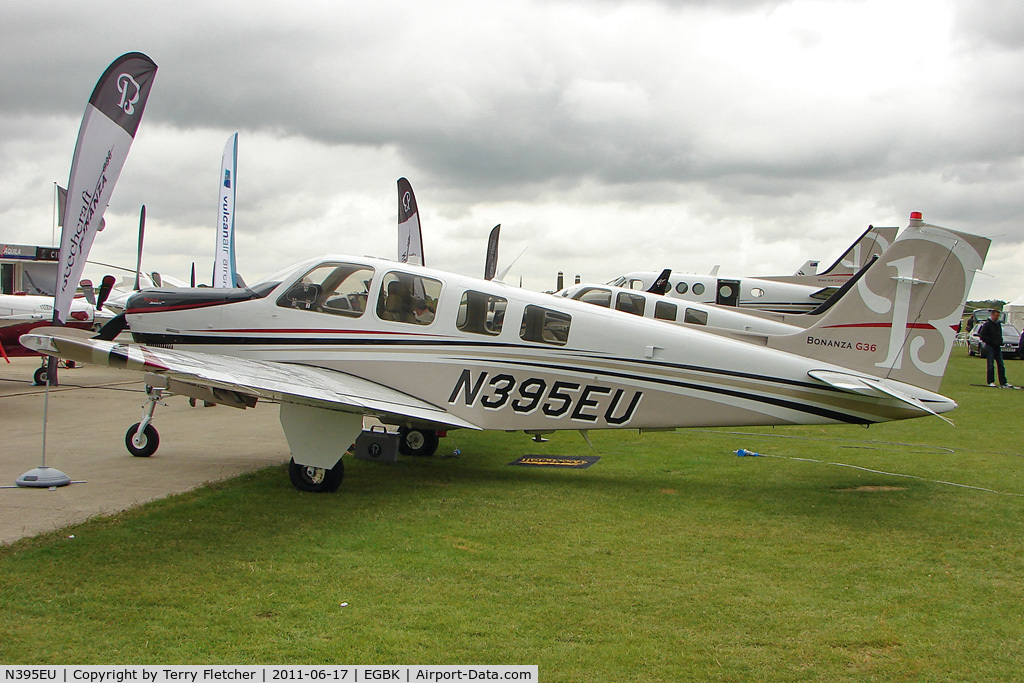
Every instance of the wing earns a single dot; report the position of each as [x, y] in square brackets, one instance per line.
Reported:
[240, 382]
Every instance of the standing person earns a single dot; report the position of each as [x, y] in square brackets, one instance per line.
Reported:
[991, 332]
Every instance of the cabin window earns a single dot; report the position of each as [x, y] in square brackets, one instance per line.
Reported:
[336, 288]
[481, 313]
[630, 303]
[595, 296]
[757, 292]
[698, 288]
[682, 288]
[663, 310]
[636, 284]
[695, 317]
[544, 325]
[408, 298]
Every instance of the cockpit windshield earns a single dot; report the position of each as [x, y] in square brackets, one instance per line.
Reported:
[335, 288]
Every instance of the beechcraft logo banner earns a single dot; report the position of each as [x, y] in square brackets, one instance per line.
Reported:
[108, 128]
[410, 235]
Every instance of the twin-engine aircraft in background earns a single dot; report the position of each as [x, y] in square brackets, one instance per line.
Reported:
[730, 320]
[782, 293]
[339, 338]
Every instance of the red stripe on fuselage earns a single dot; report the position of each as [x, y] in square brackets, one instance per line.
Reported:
[179, 307]
[306, 330]
[912, 326]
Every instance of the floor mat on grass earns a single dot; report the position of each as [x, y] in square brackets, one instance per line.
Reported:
[578, 462]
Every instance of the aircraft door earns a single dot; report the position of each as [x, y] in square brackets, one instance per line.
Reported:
[728, 293]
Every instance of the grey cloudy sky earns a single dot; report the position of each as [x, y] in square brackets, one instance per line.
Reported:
[604, 136]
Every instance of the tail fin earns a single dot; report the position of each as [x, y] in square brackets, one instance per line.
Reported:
[808, 268]
[899, 321]
[661, 284]
[872, 242]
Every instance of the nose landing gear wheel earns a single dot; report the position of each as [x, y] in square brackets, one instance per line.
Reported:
[142, 445]
[316, 479]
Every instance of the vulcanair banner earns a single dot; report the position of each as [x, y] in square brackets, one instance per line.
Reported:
[224, 256]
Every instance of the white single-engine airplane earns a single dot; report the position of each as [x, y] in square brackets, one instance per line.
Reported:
[338, 338]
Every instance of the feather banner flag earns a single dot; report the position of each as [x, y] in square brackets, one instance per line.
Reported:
[224, 274]
[410, 235]
[108, 128]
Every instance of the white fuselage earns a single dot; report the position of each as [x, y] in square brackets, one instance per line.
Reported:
[505, 358]
[754, 293]
[660, 307]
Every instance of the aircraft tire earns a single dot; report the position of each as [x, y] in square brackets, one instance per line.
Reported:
[150, 441]
[419, 442]
[316, 479]
[40, 376]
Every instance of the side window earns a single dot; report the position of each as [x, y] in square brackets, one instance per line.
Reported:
[593, 295]
[408, 298]
[663, 310]
[695, 317]
[544, 325]
[481, 313]
[635, 284]
[681, 288]
[698, 288]
[336, 288]
[630, 303]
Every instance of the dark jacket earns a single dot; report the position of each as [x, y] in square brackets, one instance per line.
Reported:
[991, 333]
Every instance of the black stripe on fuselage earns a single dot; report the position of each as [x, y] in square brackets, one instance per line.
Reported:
[211, 340]
[714, 389]
[164, 339]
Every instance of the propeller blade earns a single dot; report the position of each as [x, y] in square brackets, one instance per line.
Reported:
[105, 286]
[88, 291]
[193, 280]
[112, 328]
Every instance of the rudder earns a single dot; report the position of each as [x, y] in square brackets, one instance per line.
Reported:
[899, 321]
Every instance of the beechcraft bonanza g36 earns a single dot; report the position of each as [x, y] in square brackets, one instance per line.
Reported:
[339, 338]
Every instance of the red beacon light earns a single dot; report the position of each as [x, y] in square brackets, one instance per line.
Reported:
[916, 218]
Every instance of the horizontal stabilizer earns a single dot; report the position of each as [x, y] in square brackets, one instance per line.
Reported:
[869, 386]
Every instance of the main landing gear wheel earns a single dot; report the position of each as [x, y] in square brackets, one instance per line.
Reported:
[142, 445]
[417, 442]
[316, 479]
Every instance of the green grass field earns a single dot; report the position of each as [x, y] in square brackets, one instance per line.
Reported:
[671, 559]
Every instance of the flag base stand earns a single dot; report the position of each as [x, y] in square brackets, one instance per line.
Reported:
[43, 477]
